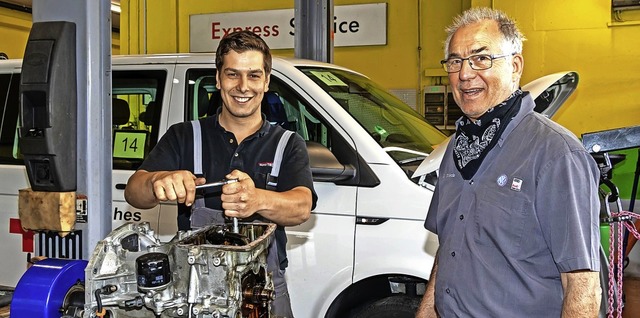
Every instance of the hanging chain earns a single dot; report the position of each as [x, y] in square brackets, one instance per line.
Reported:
[619, 221]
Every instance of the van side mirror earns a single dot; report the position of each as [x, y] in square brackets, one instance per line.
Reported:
[325, 166]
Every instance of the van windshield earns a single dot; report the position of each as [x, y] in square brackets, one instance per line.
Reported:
[401, 131]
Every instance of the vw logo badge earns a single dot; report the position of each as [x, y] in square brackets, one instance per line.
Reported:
[502, 180]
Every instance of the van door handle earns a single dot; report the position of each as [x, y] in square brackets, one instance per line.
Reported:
[121, 186]
[363, 220]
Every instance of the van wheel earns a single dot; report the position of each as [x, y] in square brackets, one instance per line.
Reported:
[400, 306]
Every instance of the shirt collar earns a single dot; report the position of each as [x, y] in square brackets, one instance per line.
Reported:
[264, 129]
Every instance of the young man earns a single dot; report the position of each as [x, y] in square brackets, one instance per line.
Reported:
[237, 143]
[516, 206]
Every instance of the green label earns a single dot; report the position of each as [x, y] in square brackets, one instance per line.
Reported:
[328, 78]
[129, 144]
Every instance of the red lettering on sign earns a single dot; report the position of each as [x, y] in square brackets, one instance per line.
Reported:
[226, 31]
[215, 30]
[274, 30]
[218, 32]
[15, 227]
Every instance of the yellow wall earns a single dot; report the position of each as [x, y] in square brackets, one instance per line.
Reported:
[14, 31]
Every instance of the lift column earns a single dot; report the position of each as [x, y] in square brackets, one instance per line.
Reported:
[93, 140]
[313, 37]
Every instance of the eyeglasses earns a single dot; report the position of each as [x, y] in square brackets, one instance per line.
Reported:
[477, 62]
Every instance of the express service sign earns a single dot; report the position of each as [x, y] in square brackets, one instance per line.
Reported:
[354, 25]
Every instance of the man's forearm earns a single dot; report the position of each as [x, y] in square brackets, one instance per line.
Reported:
[427, 307]
[138, 193]
[582, 294]
[288, 208]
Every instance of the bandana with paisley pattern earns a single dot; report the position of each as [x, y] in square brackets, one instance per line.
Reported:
[473, 140]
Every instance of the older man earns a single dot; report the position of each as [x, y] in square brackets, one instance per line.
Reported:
[516, 205]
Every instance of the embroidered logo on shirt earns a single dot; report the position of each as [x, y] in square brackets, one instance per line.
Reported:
[516, 184]
[502, 180]
[265, 164]
[449, 175]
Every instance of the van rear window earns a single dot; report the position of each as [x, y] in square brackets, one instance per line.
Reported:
[136, 101]
[9, 110]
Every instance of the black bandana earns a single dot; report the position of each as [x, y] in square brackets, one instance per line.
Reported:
[474, 140]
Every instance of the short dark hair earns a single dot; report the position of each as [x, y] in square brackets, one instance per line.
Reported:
[240, 42]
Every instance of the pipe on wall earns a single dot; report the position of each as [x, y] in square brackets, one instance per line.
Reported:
[13, 6]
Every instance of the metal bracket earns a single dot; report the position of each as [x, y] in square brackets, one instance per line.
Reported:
[612, 140]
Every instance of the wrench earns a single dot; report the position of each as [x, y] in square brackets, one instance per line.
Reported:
[217, 184]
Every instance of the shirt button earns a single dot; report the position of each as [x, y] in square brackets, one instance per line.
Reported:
[461, 217]
[448, 291]
[471, 182]
[230, 141]
[453, 254]
[235, 154]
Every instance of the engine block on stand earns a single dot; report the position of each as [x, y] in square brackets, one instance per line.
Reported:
[207, 273]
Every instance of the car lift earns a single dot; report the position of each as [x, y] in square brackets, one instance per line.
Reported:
[599, 144]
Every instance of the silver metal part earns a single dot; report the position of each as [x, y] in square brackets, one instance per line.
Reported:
[215, 184]
[214, 272]
[218, 184]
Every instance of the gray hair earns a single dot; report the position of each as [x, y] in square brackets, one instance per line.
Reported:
[512, 35]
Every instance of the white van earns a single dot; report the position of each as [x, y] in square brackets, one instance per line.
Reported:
[363, 251]
[367, 227]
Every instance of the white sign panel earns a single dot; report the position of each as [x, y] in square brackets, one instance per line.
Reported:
[354, 25]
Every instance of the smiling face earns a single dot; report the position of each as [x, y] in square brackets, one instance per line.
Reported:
[242, 82]
[477, 91]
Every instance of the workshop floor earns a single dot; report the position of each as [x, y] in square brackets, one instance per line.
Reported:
[631, 288]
